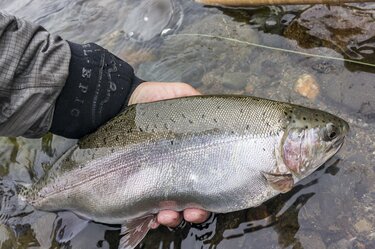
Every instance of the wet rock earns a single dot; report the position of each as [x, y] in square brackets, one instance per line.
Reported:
[235, 81]
[42, 228]
[307, 86]
[355, 92]
[287, 19]
[210, 79]
[324, 67]
[193, 74]
[311, 241]
[6, 237]
[341, 244]
[363, 226]
[137, 57]
[249, 89]
[271, 69]
[181, 51]
[344, 28]
[113, 40]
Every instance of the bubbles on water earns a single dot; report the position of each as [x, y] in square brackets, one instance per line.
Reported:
[153, 18]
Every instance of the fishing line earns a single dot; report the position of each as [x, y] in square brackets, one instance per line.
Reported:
[278, 49]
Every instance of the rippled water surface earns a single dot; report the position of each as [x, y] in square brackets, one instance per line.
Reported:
[162, 39]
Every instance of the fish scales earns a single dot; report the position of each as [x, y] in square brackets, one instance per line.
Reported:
[218, 153]
[150, 121]
[209, 141]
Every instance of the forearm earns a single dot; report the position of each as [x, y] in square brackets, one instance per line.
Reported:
[97, 88]
[48, 84]
[33, 69]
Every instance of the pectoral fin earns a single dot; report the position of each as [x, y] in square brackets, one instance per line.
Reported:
[135, 230]
[280, 182]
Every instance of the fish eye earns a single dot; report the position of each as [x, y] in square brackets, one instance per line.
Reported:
[330, 132]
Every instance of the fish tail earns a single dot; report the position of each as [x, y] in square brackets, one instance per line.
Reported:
[10, 204]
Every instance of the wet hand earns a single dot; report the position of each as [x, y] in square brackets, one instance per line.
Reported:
[153, 91]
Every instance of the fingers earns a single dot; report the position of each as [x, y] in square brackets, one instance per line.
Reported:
[154, 91]
[196, 215]
[172, 218]
[169, 218]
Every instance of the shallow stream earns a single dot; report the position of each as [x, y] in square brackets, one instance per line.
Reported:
[217, 51]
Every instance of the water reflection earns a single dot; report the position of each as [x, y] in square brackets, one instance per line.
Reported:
[334, 208]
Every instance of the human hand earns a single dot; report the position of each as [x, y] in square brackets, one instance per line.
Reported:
[153, 91]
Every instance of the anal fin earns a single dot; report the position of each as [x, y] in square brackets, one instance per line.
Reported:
[68, 226]
[279, 182]
[135, 230]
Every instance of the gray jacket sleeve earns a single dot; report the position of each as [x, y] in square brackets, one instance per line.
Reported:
[33, 68]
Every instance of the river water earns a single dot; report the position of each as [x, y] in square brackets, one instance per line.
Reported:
[300, 60]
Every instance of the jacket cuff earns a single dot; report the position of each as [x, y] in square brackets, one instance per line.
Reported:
[97, 88]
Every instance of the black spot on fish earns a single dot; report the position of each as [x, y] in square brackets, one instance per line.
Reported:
[293, 121]
[247, 127]
[285, 113]
[218, 107]
[203, 116]
[304, 118]
[166, 126]
[174, 121]
[317, 120]
[290, 117]
[117, 139]
[215, 120]
[172, 142]
[140, 129]
[241, 111]
[190, 121]
[306, 126]
[264, 149]
[183, 115]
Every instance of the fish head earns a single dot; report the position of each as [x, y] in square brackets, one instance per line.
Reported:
[312, 138]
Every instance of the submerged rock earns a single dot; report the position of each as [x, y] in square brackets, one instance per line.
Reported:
[344, 28]
[307, 86]
[311, 241]
[235, 81]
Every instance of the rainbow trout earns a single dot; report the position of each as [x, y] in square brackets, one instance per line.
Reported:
[217, 153]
